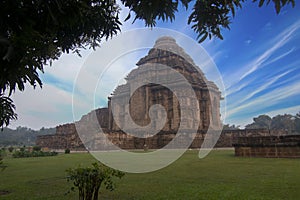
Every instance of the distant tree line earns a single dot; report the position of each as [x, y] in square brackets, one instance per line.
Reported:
[22, 135]
[287, 122]
[230, 127]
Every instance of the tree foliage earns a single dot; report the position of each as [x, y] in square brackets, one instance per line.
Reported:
[7, 111]
[297, 122]
[36, 148]
[262, 121]
[88, 180]
[34, 33]
[2, 167]
[207, 19]
[22, 135]
[23, 153]
[287, 122]
[230, 127]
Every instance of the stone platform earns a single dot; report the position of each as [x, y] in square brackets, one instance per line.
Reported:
[285, 146]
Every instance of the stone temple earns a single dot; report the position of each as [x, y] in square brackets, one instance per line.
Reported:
[195, 109]
[166, 52]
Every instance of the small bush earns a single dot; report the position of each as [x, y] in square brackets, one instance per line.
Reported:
[3, 152]
[2, 166]
[67, 151]
[36, 148]
[10, 149]
[88, 180]
[25, 154]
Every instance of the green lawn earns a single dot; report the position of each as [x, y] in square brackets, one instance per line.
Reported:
[218, 176]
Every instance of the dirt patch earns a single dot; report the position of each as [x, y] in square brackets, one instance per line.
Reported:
[4, 192]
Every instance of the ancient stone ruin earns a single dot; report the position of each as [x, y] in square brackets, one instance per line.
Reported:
[268, 146]
[133, 102]
[166, 52]
[201, 110]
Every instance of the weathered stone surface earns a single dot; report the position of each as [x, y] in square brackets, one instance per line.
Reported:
[60, 142]
[268, 146]
[165, 52]
[71, 139]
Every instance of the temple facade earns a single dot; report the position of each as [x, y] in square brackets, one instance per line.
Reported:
[195, 108]
[166, 52]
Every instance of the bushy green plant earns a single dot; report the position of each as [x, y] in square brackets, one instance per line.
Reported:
[1, 163]
[88, 180]
[2, 166]
[20, 154]
[10, 149]
[3, 152]
[36, 148]
[67, 151]
[25, 154]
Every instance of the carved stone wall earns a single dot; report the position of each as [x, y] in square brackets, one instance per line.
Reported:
[268, 146]
[67, 137]
[60, 142]
[165, 52]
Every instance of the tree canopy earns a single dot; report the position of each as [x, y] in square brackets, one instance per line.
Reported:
[262, 121]
[34, 33]
[287, 122]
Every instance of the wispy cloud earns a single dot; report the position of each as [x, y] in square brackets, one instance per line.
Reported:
[283, 38]
[264, 86]
[267, 99]
[248, 42]
[237, 87]
[287, 110]
[280, 57]
[66, 86]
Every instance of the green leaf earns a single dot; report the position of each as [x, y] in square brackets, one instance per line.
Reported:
[128, 17]
[277, 6]
[203, 37]
[261, 3]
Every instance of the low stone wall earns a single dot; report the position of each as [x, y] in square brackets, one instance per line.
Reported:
[158, 141]
[66, 137]
[60, 142]
[268, 146]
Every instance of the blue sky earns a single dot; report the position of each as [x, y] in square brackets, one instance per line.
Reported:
[258, 61]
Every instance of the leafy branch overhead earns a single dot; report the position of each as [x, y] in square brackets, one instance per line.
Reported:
[35, 33]
[6, 110]
[207, 19]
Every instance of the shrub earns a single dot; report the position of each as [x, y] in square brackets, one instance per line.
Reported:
[67, 151]
[2, 167]
[36, 148]
[88, 180]
[3, 152]
[20, 154]
[10, 149]
[24, 154]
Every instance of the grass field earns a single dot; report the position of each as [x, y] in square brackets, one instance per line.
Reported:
[218, 176]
